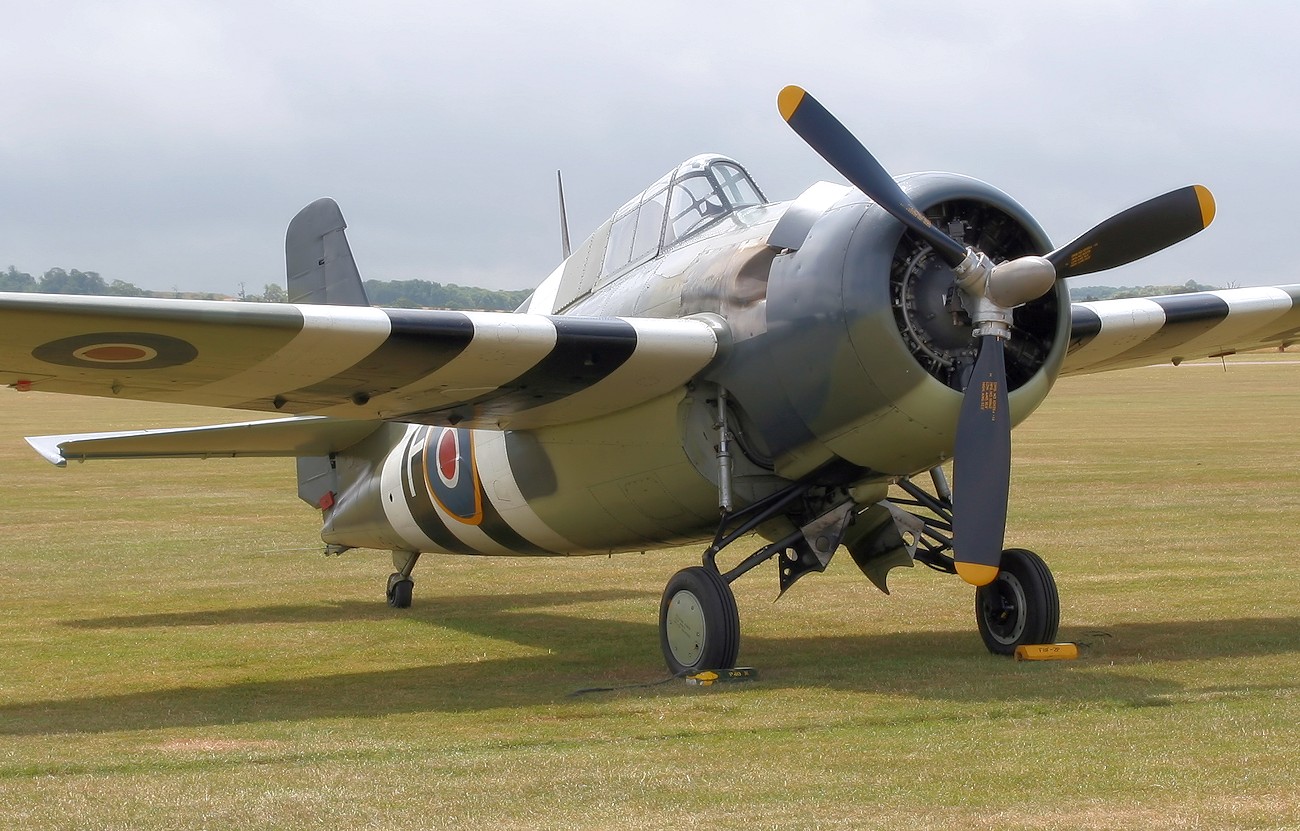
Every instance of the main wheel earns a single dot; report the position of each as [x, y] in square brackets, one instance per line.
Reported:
[1021, 606]
[699, 625]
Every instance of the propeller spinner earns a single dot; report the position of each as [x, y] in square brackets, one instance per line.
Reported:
[990, 292]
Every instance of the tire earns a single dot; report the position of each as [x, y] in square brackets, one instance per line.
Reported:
[1021, 606]
[399, 591]
[699, 625]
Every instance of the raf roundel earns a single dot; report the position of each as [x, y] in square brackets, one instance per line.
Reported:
[115, 353]
[448, 458]
[451, 474]
[126, 350]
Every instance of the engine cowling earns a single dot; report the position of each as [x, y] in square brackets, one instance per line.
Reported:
[868, 346]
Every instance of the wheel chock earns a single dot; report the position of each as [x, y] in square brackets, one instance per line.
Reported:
[709, 677]
[1047, 652]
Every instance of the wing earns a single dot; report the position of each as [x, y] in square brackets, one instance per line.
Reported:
[487, 370]
[1116, 334]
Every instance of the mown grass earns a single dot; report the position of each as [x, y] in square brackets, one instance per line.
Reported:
[177, 654]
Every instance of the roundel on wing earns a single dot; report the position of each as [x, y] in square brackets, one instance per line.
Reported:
[451, 475]
[124, 350]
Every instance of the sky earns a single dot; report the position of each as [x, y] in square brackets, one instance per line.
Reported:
[168, 144]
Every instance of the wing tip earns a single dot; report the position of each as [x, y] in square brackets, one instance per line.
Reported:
[49, 449]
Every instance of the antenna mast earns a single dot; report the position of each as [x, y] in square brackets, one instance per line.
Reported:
[564, 219]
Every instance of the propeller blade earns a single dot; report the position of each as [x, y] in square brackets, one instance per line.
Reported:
[1133, 234]
[834, 143]
[982, 467]
[982, 454]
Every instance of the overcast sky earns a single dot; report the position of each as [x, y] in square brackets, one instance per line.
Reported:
[168, 143]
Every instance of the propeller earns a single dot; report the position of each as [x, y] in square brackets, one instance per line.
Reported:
[990, 292]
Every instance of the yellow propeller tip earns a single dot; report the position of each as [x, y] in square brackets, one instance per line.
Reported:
[977, 574]
[1206, 201]
[789, 100]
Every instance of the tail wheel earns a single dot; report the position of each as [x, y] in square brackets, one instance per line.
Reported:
[699, 625]
[1020, 606]
[400, 589]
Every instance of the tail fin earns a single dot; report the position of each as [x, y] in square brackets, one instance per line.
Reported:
[318, 260]
[321, 271]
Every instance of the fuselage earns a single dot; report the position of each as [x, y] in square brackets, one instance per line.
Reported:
[841, 364]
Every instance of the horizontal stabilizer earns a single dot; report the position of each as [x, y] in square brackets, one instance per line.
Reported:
[304, 436]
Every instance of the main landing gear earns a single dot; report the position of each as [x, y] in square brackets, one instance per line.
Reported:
[1021, 605]
[699, 624]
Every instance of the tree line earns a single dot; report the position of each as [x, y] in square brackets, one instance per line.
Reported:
[402, 294]
[1088, 293]
[60, 281]
[422, 294]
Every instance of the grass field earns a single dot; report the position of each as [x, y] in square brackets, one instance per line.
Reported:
[175, 652]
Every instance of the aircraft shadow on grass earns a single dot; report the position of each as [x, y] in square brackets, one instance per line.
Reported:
[890, 663]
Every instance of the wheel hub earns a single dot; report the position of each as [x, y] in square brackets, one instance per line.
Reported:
[1004, 608]
[685, 627]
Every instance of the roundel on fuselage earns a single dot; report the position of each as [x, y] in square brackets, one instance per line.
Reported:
[451, 475]
[447, 456]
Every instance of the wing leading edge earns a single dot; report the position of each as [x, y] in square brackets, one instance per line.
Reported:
[474, 369]
[1118, 334]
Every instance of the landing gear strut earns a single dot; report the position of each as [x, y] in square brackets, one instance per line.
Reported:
[1021, 605]
[699, 625]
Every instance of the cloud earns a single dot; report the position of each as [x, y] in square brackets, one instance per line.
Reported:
[169, 143]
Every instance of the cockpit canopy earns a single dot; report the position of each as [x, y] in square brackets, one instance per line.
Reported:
[695, 195]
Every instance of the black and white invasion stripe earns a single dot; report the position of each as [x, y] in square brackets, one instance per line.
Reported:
[1114, 334]
[494, 370]
[471, 369]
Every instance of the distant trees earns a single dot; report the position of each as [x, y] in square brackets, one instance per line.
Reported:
[402, 294]
[121, 288]
[62, 281]
[1087, 293]
[271, 293]
[58, 281]
[417, 294]
[15, 280]
[413, 294]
